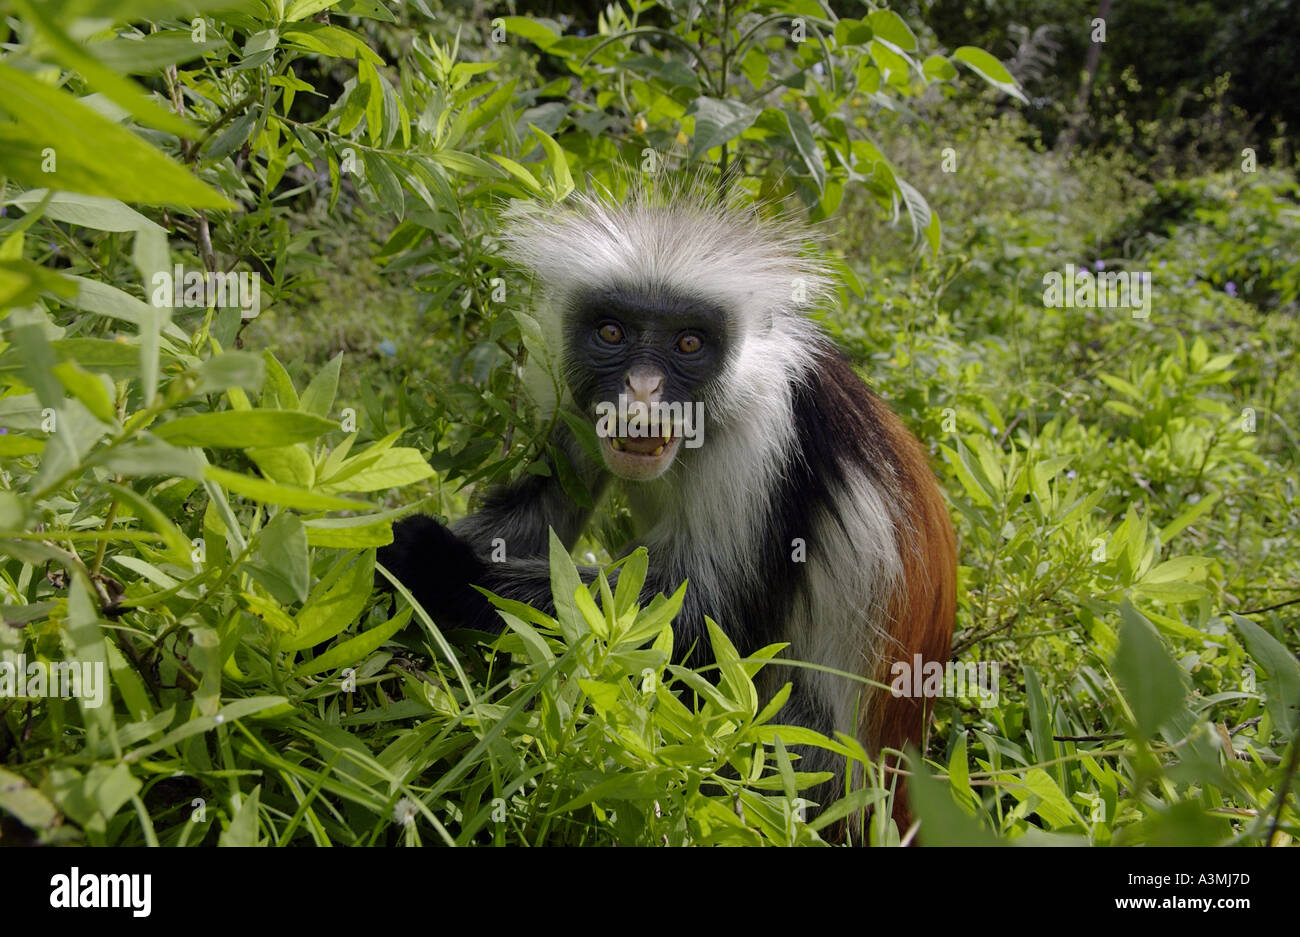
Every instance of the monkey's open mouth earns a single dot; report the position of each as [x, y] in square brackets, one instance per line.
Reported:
[642, 445]
[639, 458]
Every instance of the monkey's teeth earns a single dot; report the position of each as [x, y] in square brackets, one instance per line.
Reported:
[659, 451]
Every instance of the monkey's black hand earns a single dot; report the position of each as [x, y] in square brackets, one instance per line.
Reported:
[439, 569]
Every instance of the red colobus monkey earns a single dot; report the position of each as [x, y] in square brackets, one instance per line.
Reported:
[804, 511]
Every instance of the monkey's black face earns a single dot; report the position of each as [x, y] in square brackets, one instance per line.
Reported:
[641, 363]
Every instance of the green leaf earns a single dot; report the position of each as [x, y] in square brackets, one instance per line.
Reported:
[286, 465]
[51, 119]
[147, 456]
[22, 281]
[243, 429]
[318, 398]
[278, 392]
[631, 578]
[925, 223]
[231, 369]
[805, 142]
[332, 610]
[178, 545]
[849, 32]
[938, 68]
[270, 493]
[734, 677]
[1177, 580]
[243, 826]
[36, 355]
[282, 565]
[122, 91]
[230, 712]
[562, 179]
[144, 56]
[12, 447]
[86, 211]
[565, 582]
[1040, 720]
[350, 532]
[1152, 682]
[26, 803]
[990, 69]
[542, 33]
[89, 388]
[392, 469]
[717, 122]
[1283, 672]
[943, 821]
[355, 649]
[889, 26]
[1050, 802]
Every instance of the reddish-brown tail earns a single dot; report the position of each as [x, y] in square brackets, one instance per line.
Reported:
[922, 612]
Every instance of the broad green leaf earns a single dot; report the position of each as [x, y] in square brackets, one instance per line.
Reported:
[805, 142]
[259, 489]
[943, 821]
[318, 398]
[286, 465]
[89, 388]
[990, 69]
[888, 25]
[392, 469]
[1283, 672]
[231, 369]
[243, 429]
[565, 582]
[122, 91]
[355, 649]
[52, 119]
[328, 613]
[1152, 682]
[282, 565]
[349, 532]
[243, 828]
[86, 211]
[717, 122]
[148, 456]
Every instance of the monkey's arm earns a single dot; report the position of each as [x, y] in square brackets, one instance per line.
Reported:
[503, 547]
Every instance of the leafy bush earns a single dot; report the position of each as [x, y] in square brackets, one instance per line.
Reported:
[200, 518]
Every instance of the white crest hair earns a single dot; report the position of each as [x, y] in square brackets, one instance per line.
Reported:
[685, 237]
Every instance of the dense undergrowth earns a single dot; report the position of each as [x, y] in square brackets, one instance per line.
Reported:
[192, 499]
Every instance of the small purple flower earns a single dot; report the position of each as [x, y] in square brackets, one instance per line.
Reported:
[1230, 288]
[1163, 262]
[387, 348]
[1070, 475]
[1099, 265]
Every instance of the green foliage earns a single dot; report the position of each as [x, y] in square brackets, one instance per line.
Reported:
[201, 518]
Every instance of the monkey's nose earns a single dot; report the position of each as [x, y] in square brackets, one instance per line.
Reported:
[645, 384]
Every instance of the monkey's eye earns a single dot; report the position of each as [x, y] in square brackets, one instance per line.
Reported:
[689, 343]
[610, 333]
